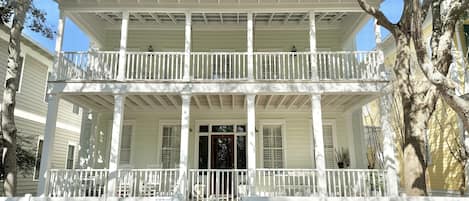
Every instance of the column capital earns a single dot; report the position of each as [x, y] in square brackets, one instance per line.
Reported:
[186, 96]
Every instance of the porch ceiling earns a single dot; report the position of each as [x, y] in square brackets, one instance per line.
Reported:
[222, 18]
[104, 102]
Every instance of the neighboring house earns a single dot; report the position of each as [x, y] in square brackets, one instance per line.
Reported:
[31, 110]
[217, 100]
[445, 170]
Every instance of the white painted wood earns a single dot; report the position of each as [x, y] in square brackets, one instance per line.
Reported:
[250, 45]
[228, 88]
[316, 113]
[312, 46]
[218, 184]
[251, 141]
[123, 46]
[77, 183]
[58, 44]
[117, 125]
[390, 162]
[379, 48]
[286, 182]
[187, 45]
[48, 146]
[184, 150]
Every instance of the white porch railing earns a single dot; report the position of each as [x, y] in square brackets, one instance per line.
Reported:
[77, 183]
[87, 65]
[345, 65]
[286, 182]
[282, 65]
[217, 184]
[219, 65]
[356, 182]
[147, 182]
[155, 65]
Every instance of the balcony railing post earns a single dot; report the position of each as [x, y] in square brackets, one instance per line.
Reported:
[250, 46]
[187, 53]
[123, 46]
[312, 46]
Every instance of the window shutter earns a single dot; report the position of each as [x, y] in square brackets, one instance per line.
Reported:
[126, 143]
[273, 146]
[170, 148]
[329, 147]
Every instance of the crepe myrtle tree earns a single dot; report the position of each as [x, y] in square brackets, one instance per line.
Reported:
[419, 97]
[16, 14]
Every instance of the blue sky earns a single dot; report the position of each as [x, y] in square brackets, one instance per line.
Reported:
[75, 39]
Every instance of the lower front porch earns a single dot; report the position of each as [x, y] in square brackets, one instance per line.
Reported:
[218, 147]
[219, 184]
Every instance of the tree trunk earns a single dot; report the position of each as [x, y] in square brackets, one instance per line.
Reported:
[418, 103]
[8, 105]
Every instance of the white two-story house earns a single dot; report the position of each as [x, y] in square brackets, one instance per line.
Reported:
[218, 99]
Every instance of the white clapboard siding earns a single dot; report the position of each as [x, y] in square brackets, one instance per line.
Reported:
[31, 110]
[162, 40]
[147, 137]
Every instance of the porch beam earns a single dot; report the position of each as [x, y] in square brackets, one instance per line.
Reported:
[220, 99]
[390, 163]
[281, 101]
[312, 46]
[184, 150]
[123, 46]
[48, 144]
[250, 46]
[318, 148]
[251, 135]
[187, 46]
[117, 122]
[197, 102]
[209, 102]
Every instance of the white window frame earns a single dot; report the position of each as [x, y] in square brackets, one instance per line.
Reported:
[198, 123]
[75, 145]
[159, 150]
[39, 138]
[273, 122]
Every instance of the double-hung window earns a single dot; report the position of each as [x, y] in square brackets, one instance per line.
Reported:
[37, 166]
[70, 157]
[272, 139]
[170, 146]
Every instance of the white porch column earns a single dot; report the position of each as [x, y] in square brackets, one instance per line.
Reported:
[312, 46]
[251, 135]
[58, 46]
[389, 154]
[184, 150]
[250, 45]
[187, 44]
[318, 136]
[48, 143]
[117, 122]
[123, 46]
[379, 48]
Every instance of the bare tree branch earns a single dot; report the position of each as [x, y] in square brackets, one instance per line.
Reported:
[380, 17]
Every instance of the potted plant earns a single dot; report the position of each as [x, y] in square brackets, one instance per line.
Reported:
[342, 157]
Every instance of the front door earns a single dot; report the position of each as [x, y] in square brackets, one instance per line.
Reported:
[222, 159]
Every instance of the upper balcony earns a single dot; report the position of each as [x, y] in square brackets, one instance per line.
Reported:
[221, 66]
[202, 41]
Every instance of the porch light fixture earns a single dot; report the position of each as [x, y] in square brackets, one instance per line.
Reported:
[293, 49]
[150, 48]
